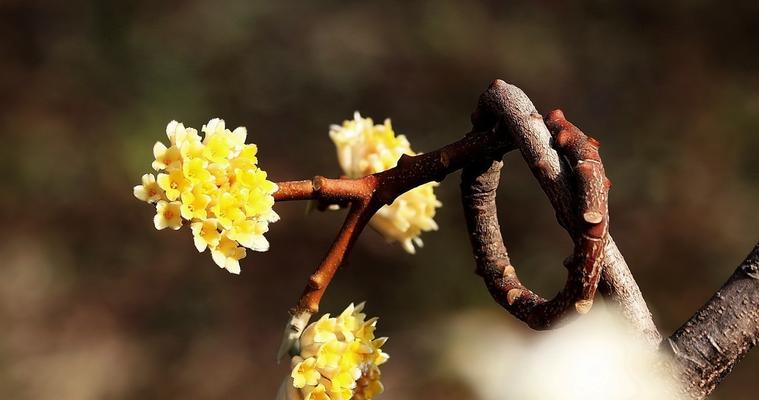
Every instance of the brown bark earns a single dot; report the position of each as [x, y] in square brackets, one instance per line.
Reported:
[508, 109]
[568, 168]
[589, 222]
[707, 347]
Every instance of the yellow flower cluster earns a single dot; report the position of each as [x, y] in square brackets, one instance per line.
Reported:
[339, 359]
[214, 183]
[364, 149]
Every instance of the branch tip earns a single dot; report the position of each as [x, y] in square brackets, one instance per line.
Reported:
[592, 217]
[583, 306]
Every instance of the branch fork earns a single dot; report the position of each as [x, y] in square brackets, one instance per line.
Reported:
[567, 165]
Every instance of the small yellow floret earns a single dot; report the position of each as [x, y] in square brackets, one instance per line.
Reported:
[247, 157]
[250, 234]
[196, 171]
[168, 215]
[228, 209]
[165, 157]
[364, 148]
[318, 393]
[205, 234]
[305, 373]
[194, 204]
[228, 254]
[149, 191]
[174, 183]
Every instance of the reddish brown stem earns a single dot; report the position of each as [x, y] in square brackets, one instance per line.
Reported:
[359, 192]
[358, 215]
[326, 189]
[721, 332]
[366, 195]
[295, 190]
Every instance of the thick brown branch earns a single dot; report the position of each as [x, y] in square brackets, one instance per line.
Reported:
[618, 285]
[707, 347]
[508, 109]
[479, 182]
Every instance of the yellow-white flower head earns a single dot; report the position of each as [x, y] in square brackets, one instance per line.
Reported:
[215, 185]
[364, 148]
[339, 359]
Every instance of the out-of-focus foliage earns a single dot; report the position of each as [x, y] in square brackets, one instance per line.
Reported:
[94, 303]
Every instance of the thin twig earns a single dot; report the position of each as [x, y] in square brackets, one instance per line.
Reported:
[366, 195]
[326, 189]
[358, 215]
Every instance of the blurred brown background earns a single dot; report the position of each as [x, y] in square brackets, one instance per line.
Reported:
[94, 303]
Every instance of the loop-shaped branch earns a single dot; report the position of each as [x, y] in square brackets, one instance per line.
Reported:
[479, 183]
[721, 333]
[504, 119]
[508, 109]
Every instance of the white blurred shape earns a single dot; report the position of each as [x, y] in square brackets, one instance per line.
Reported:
[594, 357]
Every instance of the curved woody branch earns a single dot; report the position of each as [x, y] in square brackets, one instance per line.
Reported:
[507, 108]
[478, 186]
[503, 120]
[568, 167]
